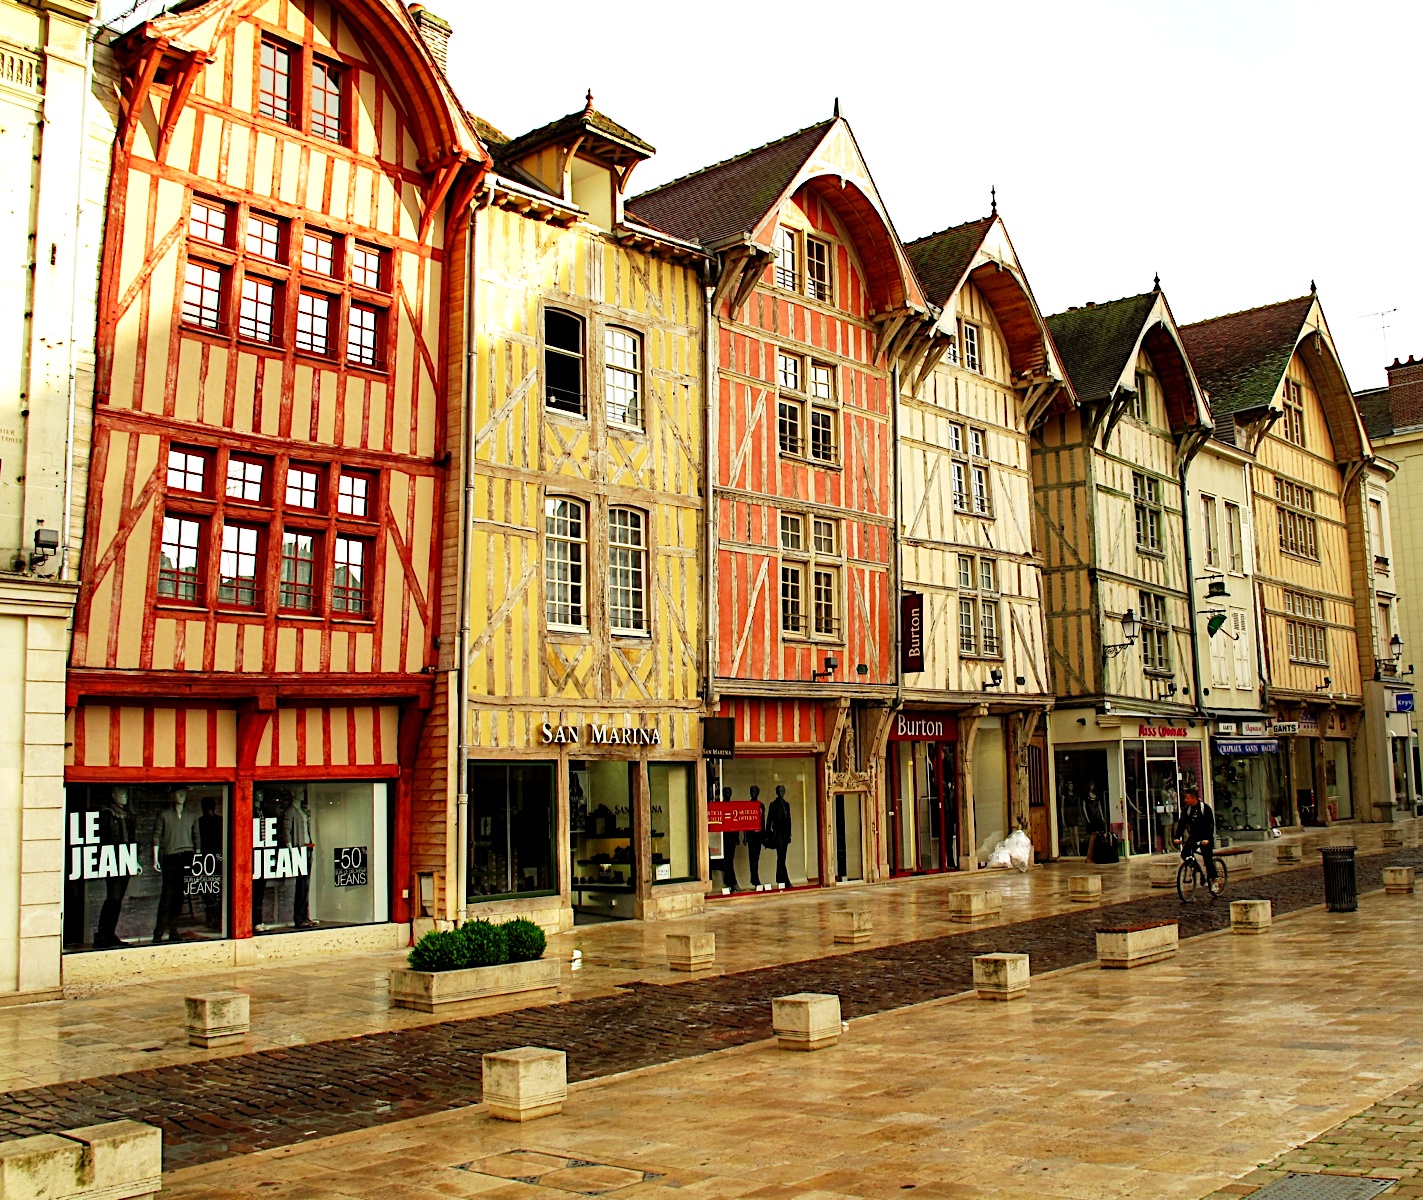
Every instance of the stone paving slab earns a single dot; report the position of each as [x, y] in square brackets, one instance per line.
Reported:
[239, 1104]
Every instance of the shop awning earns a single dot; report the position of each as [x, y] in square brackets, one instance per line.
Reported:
[1247, 745]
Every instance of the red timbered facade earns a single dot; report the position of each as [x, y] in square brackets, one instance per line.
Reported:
[259, 620]
[815, 311]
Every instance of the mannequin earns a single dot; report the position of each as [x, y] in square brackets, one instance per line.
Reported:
[778, 832]
[753, 838]
[116, 828]
[296, 831]
[173, 856]
[729, 841]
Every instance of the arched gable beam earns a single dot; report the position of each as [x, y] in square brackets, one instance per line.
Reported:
[1018, 318]
[437, 122]
[887, 275]
[1341, 412]
[1187, 413]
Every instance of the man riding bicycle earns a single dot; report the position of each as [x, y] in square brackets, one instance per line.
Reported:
[1196, 831]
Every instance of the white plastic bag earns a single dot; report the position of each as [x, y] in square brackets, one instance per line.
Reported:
[1015, 850]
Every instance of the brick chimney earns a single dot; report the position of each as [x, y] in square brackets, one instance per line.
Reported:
[1405, 392]
[435, 31]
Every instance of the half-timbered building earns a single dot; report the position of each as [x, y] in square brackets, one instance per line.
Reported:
[1108, 486]
[815, 311]
[579, 790]
[255, 633]
[1324, 583]
[968, 750]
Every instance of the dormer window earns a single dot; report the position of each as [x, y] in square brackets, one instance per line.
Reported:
[803, 265]
[788, 260]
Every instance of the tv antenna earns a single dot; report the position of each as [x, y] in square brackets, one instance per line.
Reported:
[1383, 326]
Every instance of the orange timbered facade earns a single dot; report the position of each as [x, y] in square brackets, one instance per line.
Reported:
[260, 613]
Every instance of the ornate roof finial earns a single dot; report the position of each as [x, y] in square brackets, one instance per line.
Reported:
[993, 193]
[1312, 288]
[588, 107]
[1156, 283]
[837, 107]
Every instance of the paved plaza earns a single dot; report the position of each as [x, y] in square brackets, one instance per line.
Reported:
[1180, 1079]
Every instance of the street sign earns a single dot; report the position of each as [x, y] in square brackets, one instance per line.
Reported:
[1403, 702]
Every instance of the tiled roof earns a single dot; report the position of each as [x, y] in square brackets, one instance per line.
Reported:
[1097, 340]
[585, 120]
[1241, 358]
[493, 138]
[729, 197]
[942, 258]
[1376, 410]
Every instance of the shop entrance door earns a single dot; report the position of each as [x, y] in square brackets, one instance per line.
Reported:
[1037, 799]
[849, 836]
[924, 809]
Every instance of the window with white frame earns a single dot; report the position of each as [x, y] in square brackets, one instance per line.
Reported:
[817, 270]
[565, 562]
[563, 361]
[803, 264]
[1234, 539]
[790, 403]
[1294, 519]
[811, 576]
[1140, 404]
[627, 570]
[1292, 425]
[1306, 633]
[1155, 633]
[824, 445]
[788, 259]
[969, 337]
[972, 481]
[980, 627]
[622, 376]
[1146, 499]
[1210, 534]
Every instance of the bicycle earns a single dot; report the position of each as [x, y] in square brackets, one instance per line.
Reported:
[1191, 875]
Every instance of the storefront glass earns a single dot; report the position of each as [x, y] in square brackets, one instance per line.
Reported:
[144, 863]
[1249, 787]
[1082, 803]
[1337, 793]
[1399, 748]
[925, 807]
[849, 835]
[990, 788]
[787, 852]
[511, 827]
[1156, 776]
[600, 811]
[320, 855]
[671, 792]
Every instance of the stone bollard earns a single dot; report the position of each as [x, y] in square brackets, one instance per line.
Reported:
[1287, 853]
[525, 1084]
[121, 1160]
[1398, 881]
[974, 906]
[1163, 871]
[1251, 916]
[691, 951]
[218, 1018]
[1083, 889]
[851, 925]
[1127, 946]
[1001, 976]
[806, 1021]
[1392, 838]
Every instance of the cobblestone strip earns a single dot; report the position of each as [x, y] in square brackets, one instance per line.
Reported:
[1385, 1142]
[236, 1105]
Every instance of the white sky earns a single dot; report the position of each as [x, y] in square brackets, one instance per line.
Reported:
[1239, 147]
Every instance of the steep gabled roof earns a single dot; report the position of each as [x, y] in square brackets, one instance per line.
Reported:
[1377, 412]
[587, 121]
[942, 259]
[1240, 358]
[730, 197]
[1098, 341]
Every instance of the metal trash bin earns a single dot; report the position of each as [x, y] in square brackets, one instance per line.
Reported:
[1341, 887]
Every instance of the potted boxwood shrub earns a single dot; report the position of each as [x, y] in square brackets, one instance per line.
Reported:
[478, 960]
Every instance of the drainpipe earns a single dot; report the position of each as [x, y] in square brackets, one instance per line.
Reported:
[466, 507]
[712, 391]
[1191, 581]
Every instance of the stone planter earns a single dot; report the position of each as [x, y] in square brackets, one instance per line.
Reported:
[1001, 976]
[977, 905]
[1288, 853]
[217, 1019]
[525, 1084]
[1136, 945]
[851, 926]
[428, 991]
[1163, 871]
[1251, 916]
[691, 951]
[1083, 889]
[121, 1160]
[1398, 881]
[806, 1021]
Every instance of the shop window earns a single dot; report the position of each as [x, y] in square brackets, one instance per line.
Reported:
[787, 850]
[179, 559]
[673, 813]
[144, 863]
[313, 323]
[298, 590]
[258, 312]
[600, 817]
[1083, 811]
[511, 830]
[327, 102]
[1338, 792]
[274, 85]
[237, 581]
[1146, 501]
[320, 855]
[627, 570]
[354, 494]
[622, 376]
[350, 581]
[1250, 789]
[189, 470]
[208, 220]
[264, 236]
[247, 479]
[565, 553]
[563, 361]
[203, 287]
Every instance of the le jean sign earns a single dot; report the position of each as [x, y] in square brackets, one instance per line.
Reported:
[598, 735]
